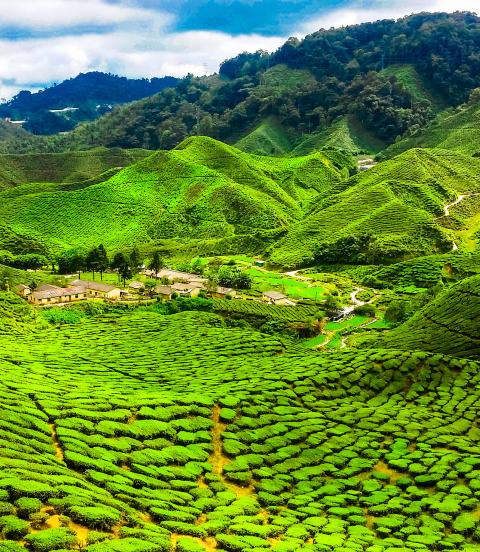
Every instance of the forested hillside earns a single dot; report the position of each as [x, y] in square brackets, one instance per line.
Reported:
[392, 75]
[87, 96]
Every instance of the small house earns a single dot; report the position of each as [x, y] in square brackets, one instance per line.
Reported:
[55, 295]
[276, 298]
[164, 292]
[222, 292]
[259, 262]
[23, 290]
[99, 290]
[136, 286]
[187, 289]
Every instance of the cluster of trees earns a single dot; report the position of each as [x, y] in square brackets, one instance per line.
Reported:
[361, 249]
[219, 274]
[96, 260]
[28, 261]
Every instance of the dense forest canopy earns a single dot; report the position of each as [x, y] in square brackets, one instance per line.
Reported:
[305, 85]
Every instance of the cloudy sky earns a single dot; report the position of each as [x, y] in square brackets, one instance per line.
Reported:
[46, 41]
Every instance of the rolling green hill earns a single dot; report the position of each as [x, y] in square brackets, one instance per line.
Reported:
[400, 201]
[450, 324]
[202, 189]
[457, 130]
[347, 134]
[68, 167]
[269, 138]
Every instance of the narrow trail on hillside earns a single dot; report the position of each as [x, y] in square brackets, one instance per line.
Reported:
[459, 199]
[446, 210]
[355, 303]
[294, 274]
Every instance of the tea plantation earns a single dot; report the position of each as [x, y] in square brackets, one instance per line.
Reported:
[202, 189]
[143, 432]
[449, 324]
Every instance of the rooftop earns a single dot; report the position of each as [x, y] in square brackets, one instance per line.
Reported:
[275, 295]
[164, 290]
[58, 292]
[97, 286]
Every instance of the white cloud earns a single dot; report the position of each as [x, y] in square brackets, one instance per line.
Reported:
[125, 53]
[361, 12]
[62, 14]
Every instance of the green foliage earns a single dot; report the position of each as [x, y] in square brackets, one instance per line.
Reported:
[398, 205]
[51, 539]
[68, 168]
[448, 324]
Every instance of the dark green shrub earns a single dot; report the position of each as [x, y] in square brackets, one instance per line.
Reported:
[97, 517]
[13, 527]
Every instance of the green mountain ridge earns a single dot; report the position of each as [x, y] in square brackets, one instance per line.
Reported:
[201, 189]
[70, 167]
[400, 201]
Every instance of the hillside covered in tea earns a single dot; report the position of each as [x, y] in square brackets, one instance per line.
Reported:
[242, 314]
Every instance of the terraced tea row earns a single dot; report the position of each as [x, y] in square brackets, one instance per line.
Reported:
[176, 433]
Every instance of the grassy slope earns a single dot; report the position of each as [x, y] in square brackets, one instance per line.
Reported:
[202, 189]
[401, 201]
[64, 167]
[122, 424]
[417, 86]
[450, 324]
[268, 138]
[347, 134]
[457, 130]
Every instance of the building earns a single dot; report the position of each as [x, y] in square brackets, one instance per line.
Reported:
[222, 292]
[55, 295]
[176, 275]
[99, 290]
[187, 290]
[164, 292]
[23, 291]
[136, 286]
[259, 262]
[276, 298]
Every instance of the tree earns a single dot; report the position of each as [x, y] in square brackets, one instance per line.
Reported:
[125, 272]
[156, 264]
[71, 261]
[149, 287]
[92, 261]
[117, 261]
[134, 260]
[196, 267]
[102, 260]
[396, 312]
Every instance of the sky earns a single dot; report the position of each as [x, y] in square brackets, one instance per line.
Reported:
[47, 41]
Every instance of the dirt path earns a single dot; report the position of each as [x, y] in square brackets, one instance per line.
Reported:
[355, 303]
[294, 274]
[219, 460]
[459, 199]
